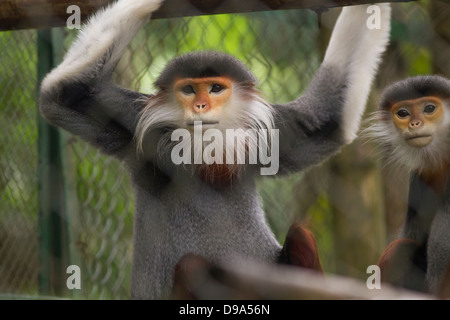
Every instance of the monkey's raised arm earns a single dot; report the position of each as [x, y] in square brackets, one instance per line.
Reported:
[79, 95]
[328, 114]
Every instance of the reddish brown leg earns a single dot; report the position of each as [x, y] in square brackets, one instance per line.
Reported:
[403, 264]
[300, 249]
[188, 268]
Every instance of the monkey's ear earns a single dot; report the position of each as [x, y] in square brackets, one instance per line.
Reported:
[300, 249]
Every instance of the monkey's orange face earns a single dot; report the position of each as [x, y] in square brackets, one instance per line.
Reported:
[203, 98]
[418, 119]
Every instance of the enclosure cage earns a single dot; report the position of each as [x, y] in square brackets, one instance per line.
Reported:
[64, 203]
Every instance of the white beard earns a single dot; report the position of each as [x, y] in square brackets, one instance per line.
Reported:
[250, 118]
[399, 153]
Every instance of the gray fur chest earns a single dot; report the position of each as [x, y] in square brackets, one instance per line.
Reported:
[188, 216]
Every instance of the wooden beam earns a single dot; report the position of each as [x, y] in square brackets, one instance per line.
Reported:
[34, 14]
[277, 282]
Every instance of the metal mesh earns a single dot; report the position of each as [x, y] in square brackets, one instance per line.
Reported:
[276, 46]
[18, 163]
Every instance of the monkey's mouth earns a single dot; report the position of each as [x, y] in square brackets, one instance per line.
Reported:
[419, 140]
[202, 122]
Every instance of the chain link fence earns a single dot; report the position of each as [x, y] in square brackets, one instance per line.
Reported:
[276, 46]
[19, 263]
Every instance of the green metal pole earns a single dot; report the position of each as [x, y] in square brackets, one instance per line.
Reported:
[57, 203]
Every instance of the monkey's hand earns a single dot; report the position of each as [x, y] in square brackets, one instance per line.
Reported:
[328, 114]
[359, 38]
[103, 39]
[79, 95]
[140, 8]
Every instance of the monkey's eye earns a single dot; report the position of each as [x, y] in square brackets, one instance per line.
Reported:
[188, 89]
[402, 113]
[429, 108]
[216, 88]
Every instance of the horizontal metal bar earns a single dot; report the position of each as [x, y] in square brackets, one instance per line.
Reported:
[35, 14]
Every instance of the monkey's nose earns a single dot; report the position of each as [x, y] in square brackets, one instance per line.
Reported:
[201, 107]
[415, 124]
